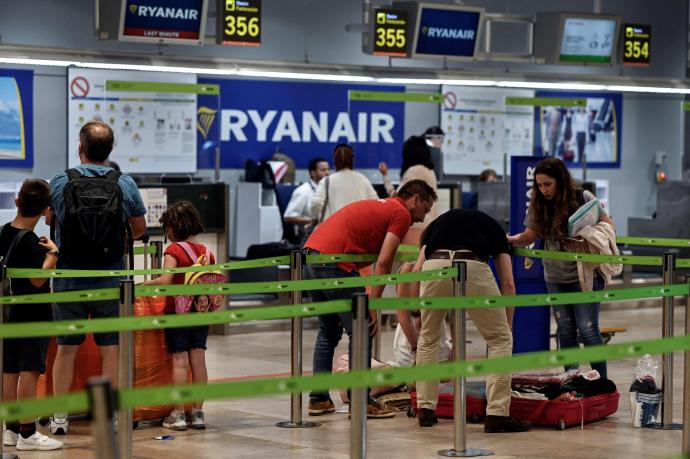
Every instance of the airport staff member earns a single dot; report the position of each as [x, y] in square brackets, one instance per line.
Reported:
[471, 236]
[298, 211]
[366, 226]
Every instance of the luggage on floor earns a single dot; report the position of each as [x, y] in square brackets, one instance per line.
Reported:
[475, 401]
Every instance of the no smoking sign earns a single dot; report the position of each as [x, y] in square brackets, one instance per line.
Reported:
[79, 87]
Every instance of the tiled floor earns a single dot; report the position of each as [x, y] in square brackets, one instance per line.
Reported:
[246, 428]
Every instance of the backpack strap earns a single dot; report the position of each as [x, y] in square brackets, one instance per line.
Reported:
[113, 175]
[15, 242]
[187, 247]
[73, 173]
[580, 197]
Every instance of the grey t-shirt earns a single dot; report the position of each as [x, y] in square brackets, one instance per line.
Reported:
[556, 271]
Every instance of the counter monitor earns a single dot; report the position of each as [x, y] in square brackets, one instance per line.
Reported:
[239, 22]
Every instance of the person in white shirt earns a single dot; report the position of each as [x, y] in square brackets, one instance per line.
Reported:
[343, 187]
[298, 211]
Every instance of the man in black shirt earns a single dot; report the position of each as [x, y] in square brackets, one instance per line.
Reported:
[24, 359]
[474, 237]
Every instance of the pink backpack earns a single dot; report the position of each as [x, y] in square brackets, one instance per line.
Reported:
[202, 303]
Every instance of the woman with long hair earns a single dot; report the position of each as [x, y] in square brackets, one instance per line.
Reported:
[554, 199]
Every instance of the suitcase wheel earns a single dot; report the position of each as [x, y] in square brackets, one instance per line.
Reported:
[560, 425]
[475, 418]
[411, 413]
[135, 424]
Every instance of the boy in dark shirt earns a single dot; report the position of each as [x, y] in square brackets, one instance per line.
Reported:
[24, 358]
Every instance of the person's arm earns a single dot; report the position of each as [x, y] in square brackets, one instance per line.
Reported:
[387, 183]
[414, 290]
[504, 269]
[49, 262]
[49, 216]
[527, 237]
[607, 219]
[407, 326]
[138, 225]
[318, 200]
[384, 263]
[293, 214]
[169, 262]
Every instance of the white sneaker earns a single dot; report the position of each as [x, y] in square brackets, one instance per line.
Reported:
[59, 425]
[9, 438]
[38, 442]
[175, 421]
[196, 419]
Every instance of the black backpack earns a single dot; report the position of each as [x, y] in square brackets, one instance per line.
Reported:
[92, 236]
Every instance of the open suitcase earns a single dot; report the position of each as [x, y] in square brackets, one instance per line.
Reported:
[556, 413]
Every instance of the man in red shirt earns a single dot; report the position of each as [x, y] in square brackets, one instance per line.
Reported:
[368, 226]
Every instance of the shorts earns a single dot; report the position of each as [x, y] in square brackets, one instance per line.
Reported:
[185, 339]
[84, 310]
[24, 354]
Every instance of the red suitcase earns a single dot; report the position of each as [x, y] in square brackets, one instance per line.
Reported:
[563, 413]
[557, 413]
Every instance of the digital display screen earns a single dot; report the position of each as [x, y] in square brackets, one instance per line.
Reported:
[390, 32]
[636, 44]
[171, 21]
[447, 32]
[239, 22]
[588, 40]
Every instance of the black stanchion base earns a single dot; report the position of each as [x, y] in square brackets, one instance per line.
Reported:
[297, 425]
[661, 426]
[469, 452]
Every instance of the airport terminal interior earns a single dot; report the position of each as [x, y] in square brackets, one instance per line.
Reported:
[400, 136]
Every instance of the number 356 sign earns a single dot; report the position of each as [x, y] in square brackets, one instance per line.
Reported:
[239, 22]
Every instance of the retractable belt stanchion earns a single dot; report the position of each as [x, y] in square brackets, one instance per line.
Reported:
[686, 380]
[460, 448]
[3, 278]
[358, 397]
[101, 406]
[125, 365]
[156, 256]
[376, 346]
[296, 350]
[669, 270]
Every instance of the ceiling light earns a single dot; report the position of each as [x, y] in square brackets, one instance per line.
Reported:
[26, 61]
[648, 89]
[551, 85]
[436, 81]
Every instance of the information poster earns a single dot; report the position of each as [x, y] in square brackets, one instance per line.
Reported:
[576, 134]
[155, 130]
[588, 40]
[480, 128]
[16, 119]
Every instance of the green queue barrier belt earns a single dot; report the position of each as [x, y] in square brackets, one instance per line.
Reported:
[245, 287]
[588, 257]
[78, 327]
[19, 273]
[144, 249]
[78, 402]
[653, 241]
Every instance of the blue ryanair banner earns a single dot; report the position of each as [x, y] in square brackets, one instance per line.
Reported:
[303, 120]
[16, 118]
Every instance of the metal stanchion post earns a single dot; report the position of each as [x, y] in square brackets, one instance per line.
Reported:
[376, 345]
[296, 350]
[358, 397]
[460, 448]
[669, 271]
[686, 380]
[156, 256]
[101, 403]
[125, 365]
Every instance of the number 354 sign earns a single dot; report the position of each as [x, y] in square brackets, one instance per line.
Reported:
[239, 22]
[636, 43]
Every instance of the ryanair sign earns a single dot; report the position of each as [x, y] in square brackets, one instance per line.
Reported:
[166, 20]
[254, 119]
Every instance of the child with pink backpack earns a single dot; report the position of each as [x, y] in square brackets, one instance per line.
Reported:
[181, 224]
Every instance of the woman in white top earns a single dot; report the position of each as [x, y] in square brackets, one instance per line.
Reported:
[343, 187]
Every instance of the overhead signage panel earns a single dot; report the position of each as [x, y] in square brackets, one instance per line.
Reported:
[636, 44]
[390, 32]
[451, 32]
[163, 21]
[239, 22]
[587, 40]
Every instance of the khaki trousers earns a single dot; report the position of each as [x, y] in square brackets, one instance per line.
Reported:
[491, 323]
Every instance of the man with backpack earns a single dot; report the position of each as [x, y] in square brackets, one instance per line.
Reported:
[93, 208]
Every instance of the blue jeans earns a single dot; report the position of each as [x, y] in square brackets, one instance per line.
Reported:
[331, 325]
[572, 319]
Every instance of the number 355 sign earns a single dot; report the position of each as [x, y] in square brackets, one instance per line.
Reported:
[239, 22]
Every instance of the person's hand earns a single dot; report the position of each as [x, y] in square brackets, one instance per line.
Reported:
[576, 244]
[373, 324]
[47, 244]
[512, 239]
[383, 168]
